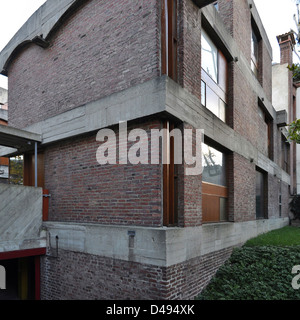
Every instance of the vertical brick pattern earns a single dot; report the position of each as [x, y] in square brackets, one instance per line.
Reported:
[189, 191]
[189, 47]
[79, 276]
[83, 190]
[244, 179]
[101, 49]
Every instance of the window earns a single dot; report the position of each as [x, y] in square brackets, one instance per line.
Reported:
[268, 123]
[261, 206]
[216, 5]
[285, 154]
[214, 77]
[214, 185]
[254, 54]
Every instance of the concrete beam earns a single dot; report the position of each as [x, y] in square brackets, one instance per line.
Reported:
[162, 247]
[281, 118]
[155, 97]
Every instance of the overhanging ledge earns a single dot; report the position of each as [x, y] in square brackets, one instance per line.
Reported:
[16, 141]
[203, 3]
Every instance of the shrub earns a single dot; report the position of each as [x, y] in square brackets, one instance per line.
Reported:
[295, 206]
[256, 273]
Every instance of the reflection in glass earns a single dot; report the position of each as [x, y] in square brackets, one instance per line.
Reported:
[209, 54]
[203, 93]
[214, 168]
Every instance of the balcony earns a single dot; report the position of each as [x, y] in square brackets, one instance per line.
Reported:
[21, 214]
[21, 207]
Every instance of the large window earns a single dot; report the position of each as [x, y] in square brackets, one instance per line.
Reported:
[214, 77]
[214, 185]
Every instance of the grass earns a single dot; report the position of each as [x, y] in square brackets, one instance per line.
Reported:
[286, 236]
[260, 270]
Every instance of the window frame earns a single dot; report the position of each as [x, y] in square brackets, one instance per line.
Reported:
[218, 86]
[211, 207]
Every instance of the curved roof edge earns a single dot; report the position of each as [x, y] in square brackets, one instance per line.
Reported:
[38, 26]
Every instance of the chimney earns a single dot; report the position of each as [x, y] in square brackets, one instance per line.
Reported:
[286, 44]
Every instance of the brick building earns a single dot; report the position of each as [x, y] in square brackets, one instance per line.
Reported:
[145, 231]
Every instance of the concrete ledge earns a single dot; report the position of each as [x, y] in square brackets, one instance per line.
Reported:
[154, 246]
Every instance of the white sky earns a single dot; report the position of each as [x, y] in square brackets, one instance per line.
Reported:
[277, 17]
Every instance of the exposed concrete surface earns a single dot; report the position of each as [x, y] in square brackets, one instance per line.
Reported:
[21, 218]
[40, 23]
[280, 75]
[155, 246]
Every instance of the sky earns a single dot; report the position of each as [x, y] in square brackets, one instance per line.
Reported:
[277, 17]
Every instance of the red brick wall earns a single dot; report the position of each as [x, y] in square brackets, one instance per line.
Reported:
[189, 47]
[79, 276]
[101, 49]
[189, 192]
[83, 190]
[244, 180]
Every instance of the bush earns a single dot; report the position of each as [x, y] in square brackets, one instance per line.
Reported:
[256, 273]
[295, 206]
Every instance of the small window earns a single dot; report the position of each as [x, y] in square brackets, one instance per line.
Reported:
[285, 154]
[255, 52]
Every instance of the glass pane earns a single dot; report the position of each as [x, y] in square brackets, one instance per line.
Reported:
[260, 207]
[254, 46]
[203, 93]
[214, 168]
[209, 56]
[222, 110]
[223, 209]
[212, 101]
[254, 68]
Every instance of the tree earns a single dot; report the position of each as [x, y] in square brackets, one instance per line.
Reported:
[294, 127]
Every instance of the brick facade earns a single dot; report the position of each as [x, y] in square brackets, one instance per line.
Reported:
[102, 49]
[99, 50]
[82, 190]
[73, 276]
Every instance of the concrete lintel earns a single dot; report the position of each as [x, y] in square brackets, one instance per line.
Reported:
[16, 141]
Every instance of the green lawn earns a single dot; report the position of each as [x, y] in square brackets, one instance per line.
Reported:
[287, 236]
[260, 270]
